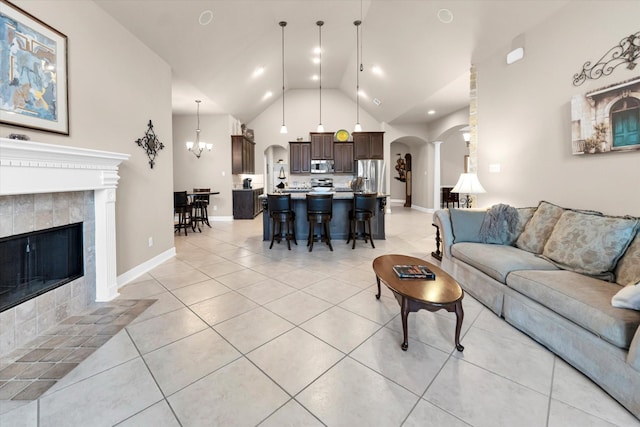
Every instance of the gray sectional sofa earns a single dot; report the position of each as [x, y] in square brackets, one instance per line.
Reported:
[552, 273]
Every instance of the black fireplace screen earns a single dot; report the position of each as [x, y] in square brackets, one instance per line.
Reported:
[34, 263]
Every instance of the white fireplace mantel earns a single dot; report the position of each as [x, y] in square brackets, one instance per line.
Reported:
[28, 167]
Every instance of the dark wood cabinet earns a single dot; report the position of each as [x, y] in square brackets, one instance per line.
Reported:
[242, 155]
[343, 157]
[299, 157]
[368, 145]
[321, 145]
[246, 204]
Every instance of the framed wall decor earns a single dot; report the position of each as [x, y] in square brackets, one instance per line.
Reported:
[607, 120]
[33, 72]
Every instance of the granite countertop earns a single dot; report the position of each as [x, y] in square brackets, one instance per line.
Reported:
[337, 195]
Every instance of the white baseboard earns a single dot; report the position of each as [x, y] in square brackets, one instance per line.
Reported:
[139, 270]
[418, 208]
[221, 218]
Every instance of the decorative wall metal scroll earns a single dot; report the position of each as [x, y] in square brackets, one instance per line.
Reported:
[151, 144]
[626, 52]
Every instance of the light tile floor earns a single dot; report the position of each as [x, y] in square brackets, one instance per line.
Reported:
[243, 335]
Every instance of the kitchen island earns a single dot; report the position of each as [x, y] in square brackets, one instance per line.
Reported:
[342, 204]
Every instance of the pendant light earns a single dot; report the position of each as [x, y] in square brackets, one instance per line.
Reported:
[357, 127]
[199, 146]
[283, 129]
[320, 24]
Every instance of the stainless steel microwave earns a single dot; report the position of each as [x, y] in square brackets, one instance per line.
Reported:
[321, 166]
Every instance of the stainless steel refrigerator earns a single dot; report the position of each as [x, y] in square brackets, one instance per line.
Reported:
[372, 173]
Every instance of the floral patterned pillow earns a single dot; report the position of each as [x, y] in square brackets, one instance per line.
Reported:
[628, 268]
[524, 215]
[589, 244]
[539, 227]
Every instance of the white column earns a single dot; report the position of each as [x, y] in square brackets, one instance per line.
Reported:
[436, 174]
[106, 274]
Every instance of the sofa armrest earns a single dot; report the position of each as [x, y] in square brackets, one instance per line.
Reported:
[442, 219]
[633, 358]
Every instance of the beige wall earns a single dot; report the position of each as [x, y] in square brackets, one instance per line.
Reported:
[524, 121]
[212, 169]
[116, 85]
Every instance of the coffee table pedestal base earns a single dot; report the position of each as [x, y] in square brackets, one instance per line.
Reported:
[409, 305]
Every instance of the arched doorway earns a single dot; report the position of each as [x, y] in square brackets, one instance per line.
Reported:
[276, 159]
[451, 154]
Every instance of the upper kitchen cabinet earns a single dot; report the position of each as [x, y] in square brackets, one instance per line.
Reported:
[343, 157]
[299, 157]
[321, 145]
[368, 145]
[243, 158]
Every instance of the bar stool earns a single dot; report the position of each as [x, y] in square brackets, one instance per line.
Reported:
[200, 204]
[182, 209]
[319, 211]
[280, 211]
[364, 208]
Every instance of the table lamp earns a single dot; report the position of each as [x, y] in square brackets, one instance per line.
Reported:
[468, 184]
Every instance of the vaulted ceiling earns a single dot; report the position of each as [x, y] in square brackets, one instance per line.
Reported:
[413, 60]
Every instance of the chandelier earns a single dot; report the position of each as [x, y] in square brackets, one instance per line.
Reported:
[198, 147]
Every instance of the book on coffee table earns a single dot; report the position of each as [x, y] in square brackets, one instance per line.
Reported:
[414, 272]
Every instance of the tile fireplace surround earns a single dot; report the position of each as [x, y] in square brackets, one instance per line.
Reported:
[46, 185]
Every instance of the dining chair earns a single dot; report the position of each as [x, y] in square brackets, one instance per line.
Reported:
[181, 209]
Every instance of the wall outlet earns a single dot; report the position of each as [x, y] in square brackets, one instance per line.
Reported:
[150, 241]
[215, 208]
[223, 173]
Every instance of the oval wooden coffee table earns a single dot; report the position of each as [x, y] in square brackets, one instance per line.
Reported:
[414, 294]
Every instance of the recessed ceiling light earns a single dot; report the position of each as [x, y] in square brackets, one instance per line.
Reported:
[316, 60]
[205, 17]
[445, 16]
[314, 77]
[317, 50]
[267, 95]
[377, 101]
[431, 112]
[258, 71]
[376, 70]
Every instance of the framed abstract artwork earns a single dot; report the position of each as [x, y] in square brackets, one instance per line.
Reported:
[33, 72]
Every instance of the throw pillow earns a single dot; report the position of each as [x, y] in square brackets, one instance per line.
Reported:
[524, 215]
[589, 244]
[627, 297]
[628, 268]
[539, 227]
[466, 224]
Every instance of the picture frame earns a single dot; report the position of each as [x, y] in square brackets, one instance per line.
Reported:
[606, 120]
[33, 72]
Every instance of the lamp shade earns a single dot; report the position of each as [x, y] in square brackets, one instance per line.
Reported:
[468, 183]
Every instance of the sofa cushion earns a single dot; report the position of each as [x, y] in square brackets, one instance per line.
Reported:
[589, 244]
[628, 268]
[497, 261]
[627, 297]
[584, 300]
[539, 227]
